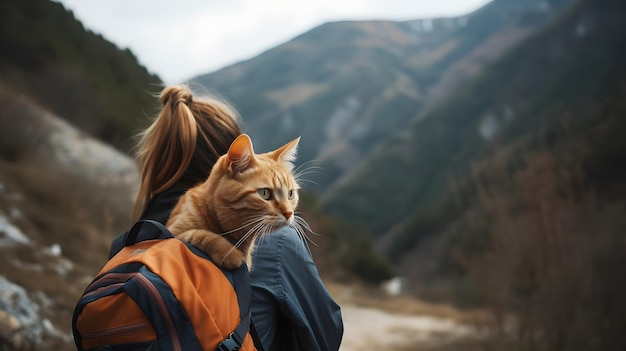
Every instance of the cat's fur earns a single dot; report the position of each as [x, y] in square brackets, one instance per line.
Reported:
[245, 195]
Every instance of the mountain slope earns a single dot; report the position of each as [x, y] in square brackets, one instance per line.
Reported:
[347, 86]
[48, 55]
[560, 85]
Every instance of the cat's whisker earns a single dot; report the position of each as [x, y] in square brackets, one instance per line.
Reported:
[251, 220]
[308, 181]
[303, 170]
[302, 236]
[305, 166]
[264, 233]
[250, 232]
[266, 229]
[255, 221]
[243, 239]
[237, 245]
[300, 250]
[245, 224]
[305, 224]
[307, 171]
[263, 226]
[300, 175]
[259, 239]
[301, 227]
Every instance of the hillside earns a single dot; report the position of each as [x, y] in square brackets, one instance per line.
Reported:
[347, 86]
[48, 55]
[63, 196]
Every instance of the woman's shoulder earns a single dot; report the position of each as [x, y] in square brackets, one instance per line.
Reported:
[286, 238]
[282, 248]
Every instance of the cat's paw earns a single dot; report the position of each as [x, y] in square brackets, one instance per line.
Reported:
[221, 251]
[186, 237]
[232, 260]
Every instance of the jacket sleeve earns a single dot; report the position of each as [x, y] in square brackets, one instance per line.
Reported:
[291, 307]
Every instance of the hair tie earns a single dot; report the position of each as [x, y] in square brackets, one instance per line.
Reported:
[187, 100]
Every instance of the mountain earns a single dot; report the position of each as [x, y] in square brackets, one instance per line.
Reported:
[509, 193]
[347, 86]
[560, 91]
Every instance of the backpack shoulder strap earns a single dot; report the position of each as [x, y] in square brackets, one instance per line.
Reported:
[240, 279]
[135, 234]
[234, 341]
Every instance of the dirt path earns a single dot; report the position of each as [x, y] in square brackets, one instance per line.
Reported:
[373, 329]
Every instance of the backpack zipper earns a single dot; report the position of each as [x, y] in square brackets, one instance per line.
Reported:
[113, 277]
[152, 290]
[102, 289]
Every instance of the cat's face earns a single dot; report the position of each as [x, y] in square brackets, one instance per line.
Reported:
[256, 191]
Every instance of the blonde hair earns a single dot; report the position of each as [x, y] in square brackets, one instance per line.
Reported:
[183, 143]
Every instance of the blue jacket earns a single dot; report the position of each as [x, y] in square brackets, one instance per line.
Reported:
[290, 304]
[291, 308]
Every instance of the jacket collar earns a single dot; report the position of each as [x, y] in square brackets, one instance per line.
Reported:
[162, 204]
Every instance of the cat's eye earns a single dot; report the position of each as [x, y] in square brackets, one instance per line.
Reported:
[291, 194]
[265, 193]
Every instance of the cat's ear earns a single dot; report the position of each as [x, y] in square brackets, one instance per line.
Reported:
[241, 153]
[287, 153]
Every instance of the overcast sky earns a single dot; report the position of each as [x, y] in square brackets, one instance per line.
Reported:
[181, 39]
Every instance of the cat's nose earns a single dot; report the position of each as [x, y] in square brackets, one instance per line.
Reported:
[287, 214]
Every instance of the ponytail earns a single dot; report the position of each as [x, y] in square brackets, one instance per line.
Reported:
[182, 143]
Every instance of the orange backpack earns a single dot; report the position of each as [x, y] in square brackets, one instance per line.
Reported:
[163, 294]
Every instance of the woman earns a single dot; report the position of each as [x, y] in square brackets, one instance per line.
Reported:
[290, 305]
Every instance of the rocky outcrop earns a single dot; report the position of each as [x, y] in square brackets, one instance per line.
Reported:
[21, 326]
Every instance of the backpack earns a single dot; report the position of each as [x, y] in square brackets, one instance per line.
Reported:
[163, 294]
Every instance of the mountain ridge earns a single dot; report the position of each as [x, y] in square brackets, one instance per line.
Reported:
[346, 86]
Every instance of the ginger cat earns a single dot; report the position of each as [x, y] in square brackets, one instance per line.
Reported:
[245, 195]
